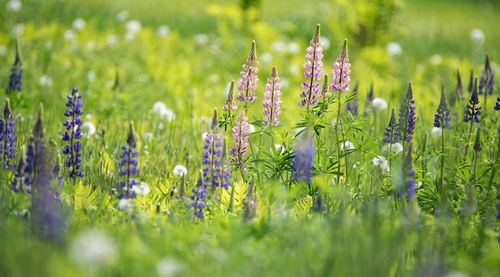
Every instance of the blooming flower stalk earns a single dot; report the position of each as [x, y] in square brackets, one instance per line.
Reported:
[325, 90]
[24, 171]
[407, 116]
[442, 117]
[128, 167]
[212, 172]
[198, 199]
[304, 158]
[341, 71]
[409, 175]
[73, 134]
[16, 74]
[487, 82]
[241, 131]
[230, 105]
[7, 137]
[391, 133]
[248, 82]
[313, 68]
[472, 110]
[272, 99]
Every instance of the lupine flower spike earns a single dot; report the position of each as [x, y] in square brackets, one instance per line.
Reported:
[198, 199]
[248, 82]
[459, 91]
[7, 137]
[341, 71]
[409, 175]
[442, 120]
[325, 90]
[391, 135]
[313, 68]
[16, 74]
[128, 167]
[23, 176]
[353, 105]
[487, 82]
[212, 157]
[472, 112]
[407, 116]
[470, 87]
[272, 100]
[241, 131]
[73, 134]
[230, 105]
[304, 158]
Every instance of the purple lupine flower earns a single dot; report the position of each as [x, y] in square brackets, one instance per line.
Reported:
[442, 118]
[47, 219]
[472, 110]
[241, 131]
[313, 68]
[7, 137]
[391, 133]
[16, 74]
[230, 105]
[248, 82]
[272, 99]
[250, 203]
[341, 71]
[212, 156]
[304, 158]
[407, 116]
[497, 104]
[409, 175]
[353, 105]
[128, 167]
[198, 199]
[73, 134]
[23, 175]
[487, 82]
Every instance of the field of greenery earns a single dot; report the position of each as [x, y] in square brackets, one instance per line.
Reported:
[249, 138]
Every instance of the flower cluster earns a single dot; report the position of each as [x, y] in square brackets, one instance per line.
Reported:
[442, 118]
[391, 133]
[313, 71]
[272, 99]
[241, 131]
[73, 134]
[472, 110]
[304, 158]
[248, 82]
[341, 71]
[230, 105]
[24, 170]
[487, 82]
[16, 74]
[128, 167]
[198, 199]
[7, 137]
[407, 116]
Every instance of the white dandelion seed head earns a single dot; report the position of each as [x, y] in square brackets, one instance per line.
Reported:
[69, 35]
[379, 104]
[201, 39]
[436, 59]
[477, 36]
[436, 132]
[169, 267]
[180, 170]
[14, 5]
[93, 248]
[381, 162]
[126, 205]
[79, 24]
[88, 128]
[394, 49]
[122, 15]
[293, 47]
[133, 26]
[163, 31]
[325, 42]
[141, 188]
[46, 81]
[112, 40]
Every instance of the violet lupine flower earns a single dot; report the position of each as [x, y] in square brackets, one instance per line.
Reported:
[272, 99]
[24, 171]
[325, 90]
[391, 133]
[47, 219]
[248, 82]
[198, 199]
[472, 110]
[313, 68]
[409, 175]
[442, 118]
[497, 104]
[212, 156]
[487, 82]
[241, 131]
[407, 116]
[128, 167]
[16, 74]
[304, 158]
[341, 71]
[353, 105]
[7, 137]
[230, 105]
[73, 134]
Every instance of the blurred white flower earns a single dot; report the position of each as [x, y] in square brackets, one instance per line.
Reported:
[395, 147]
[436, 59]
[126, 205]
[141, 189]
[163, 31]
[266, 57]
[251, 129]
[477, 36]
[293, 47]
[163, 111]
[90, 45]
[91, 76]
[46, 81]
[294, 69]
[88, 116]
[284, 82]
[379, 104]
[79, 24]
[325, 42]
[133, 26]
[69, 35]
[278, 46]
[148, 136]
[112, 40]
[169, 267]
[159, 106]
[348, 145]
[3, 50]
[18, 29]
[93, 248]
[381, 162]
[14, 5]
[180, 170]
[88, 128]
[122, 15]
[204, 135]
[201, 39]
[394, 49]
[161, 126]
[129, 36]
[436, 132]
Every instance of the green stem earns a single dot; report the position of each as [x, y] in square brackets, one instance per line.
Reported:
[443, 194]
[338, 138]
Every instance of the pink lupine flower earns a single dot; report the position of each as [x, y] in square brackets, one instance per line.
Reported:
[341, 71]
[248, 82]
[313, 71]
[241, 130]
[272, 101]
